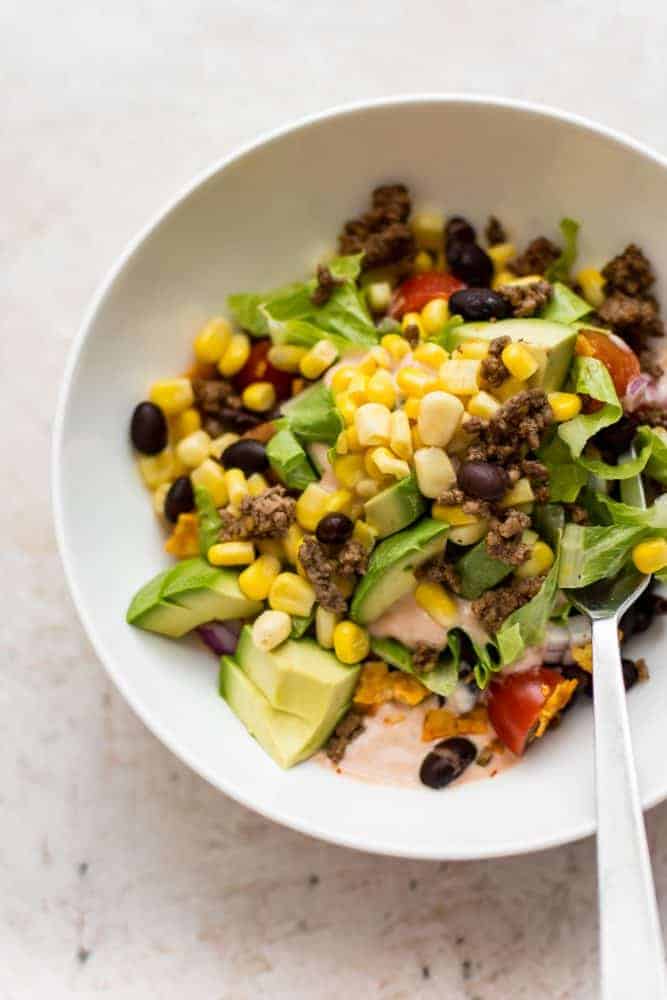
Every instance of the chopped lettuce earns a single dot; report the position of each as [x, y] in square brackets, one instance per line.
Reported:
[289, 461]
[565, 306]
[606, 511]
[561, 267]
[312, 416]
[209, 520]
[441, 680]
[566, 477]
[301, 624]
[591, 553]
[656, 466]
[444, 337]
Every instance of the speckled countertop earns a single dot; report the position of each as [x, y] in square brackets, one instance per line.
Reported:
[122, 873]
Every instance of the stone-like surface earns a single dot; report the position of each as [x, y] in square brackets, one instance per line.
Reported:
[122, 873]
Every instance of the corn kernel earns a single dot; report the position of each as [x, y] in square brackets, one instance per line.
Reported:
[428, 229]
[353, 442]
[381, 389]
[510, 387]
[186, 423]
[411, 407]
[413, 319]
[519, 361]
[416, 381]
[231, 554]
[256, 580]
[194, 449]
[388, 465]
[483, 405]
[367, 487]
[172, 395]
[380, 356]
[325, 623]
[364, 534]
[257, 484]
[468, 534]
[356, 509]
[342, 377]
[292, 594]
[461, 378]
[474, 350]
[400, 440]
[434, 315]
[259, 397]
[271, 547]
[521, 492]
[220, 444]
[378, 296]
[540, 561]
[452, 514]
[235, 356]
[357, 388]
[592, 285]
[396, 346]
[501, 254]
[338, 502]
[348, 470]
[351, 643]
[211, 476]
[271, 628]
[423, 262]
[237, 486]
[159, 497]
[439, 416]
[286, 357]
[650, 556]
[158, 469]
[366, 365]
[429, 353]
[416, 438]
[320, 357]
[212, 340]
[292, 542]
[524, 280]
[372, 422]
[311, 506]
[564, 405]
[437, 603]
[346, 407]
[502, 278]
[341, 443]
[435, 472]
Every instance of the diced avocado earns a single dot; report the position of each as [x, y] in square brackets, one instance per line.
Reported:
[390, 572]
[298, 676]
[552, 344]
[289, 461]
[285, 737]
[478, 571]
[564, 306]
[319, 459]
[395, 508]
[189, 594]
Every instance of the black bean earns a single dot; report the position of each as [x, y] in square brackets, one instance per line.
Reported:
[459, 229]
[238, 419]
[446, 761]
[483, 480]
[639, 617]
[630, 673]
[247, 455]
[334, 529]
[180, 499]
[478, 304]
[470, 263]
[148, 429]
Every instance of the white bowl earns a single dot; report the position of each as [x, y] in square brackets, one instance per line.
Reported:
[258, 219]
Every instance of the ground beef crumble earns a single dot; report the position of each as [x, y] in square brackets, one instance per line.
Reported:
[321, 570]
[268, 515]
[425, 656]
[411, 334]
[536, 258]
[629, 272]
[352, 558]
[439, 570]
[503, 540]
[220, 407]
[629, 308]
[516, 427]
[652, 416]
[493, 371]
[495, 232]
[526, 300]
[349, 727]
[493, 607]
[326, 285]
[381, 233]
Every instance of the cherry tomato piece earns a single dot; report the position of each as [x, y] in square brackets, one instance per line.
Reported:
[416, 292]
[259, 369]
[620, 360]
[514, 704]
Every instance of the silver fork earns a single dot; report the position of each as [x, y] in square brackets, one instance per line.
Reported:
[632, 958]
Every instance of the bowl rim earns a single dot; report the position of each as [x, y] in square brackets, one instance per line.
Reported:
[246, 797]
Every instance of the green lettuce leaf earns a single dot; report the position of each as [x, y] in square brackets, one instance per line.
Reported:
[445, 336]
[561, 267]
[441, 680]
[565, 306]
[527, 626]
[301, 624]
[208, 518]
[312, 416]
[289, 461]
[656, 466]
[591, 553]
[605, 511]
[566, 477]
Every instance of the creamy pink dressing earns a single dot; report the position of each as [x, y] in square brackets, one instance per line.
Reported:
[328, 479]
[408, 623]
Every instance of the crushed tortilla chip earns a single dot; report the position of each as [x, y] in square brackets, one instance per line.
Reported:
[441, 723]
[378, 684]
[583, 656]
[184, 539]
[555, 703]
[474, 721]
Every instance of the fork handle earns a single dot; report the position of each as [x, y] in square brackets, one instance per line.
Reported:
[632, 958]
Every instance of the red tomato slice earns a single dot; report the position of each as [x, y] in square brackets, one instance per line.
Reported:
[258, 369]
[514, 704]
[621, 361]
[414, 293]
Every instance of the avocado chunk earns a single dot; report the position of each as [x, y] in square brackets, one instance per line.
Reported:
[187, 595]
[390, 572]
[395, 508]
[478, 571]
[552, 344]
[564, 306]
[289, 461]
[286, 738]
[298, 676]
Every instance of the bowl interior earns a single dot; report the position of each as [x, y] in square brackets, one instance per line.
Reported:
[258, 220]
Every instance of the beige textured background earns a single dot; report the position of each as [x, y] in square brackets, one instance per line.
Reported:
[122, 873]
